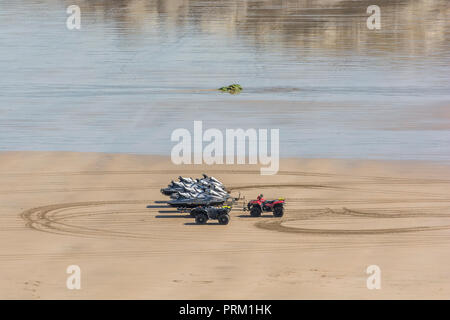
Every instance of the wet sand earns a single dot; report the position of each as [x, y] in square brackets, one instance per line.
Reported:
[104, 213]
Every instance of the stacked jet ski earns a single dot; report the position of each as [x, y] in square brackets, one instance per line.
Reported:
[190, 193]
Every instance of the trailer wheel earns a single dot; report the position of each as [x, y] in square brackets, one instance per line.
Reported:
[224, 219]
[278, 211]
[255, 211]
[201, 218]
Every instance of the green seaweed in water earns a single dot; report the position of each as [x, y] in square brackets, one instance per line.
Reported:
[232, 88]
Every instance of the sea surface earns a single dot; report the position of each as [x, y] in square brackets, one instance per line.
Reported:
[137, 70]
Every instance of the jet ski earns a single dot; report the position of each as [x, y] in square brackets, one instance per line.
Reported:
[185, 201]
[194, 186]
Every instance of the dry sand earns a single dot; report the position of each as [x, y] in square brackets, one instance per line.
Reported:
[63, 208]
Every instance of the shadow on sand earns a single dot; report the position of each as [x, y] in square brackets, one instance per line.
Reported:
[167, 216]
[156, 207]
[249, 216]
[206, 224]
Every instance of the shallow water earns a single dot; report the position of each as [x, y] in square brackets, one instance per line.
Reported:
[137, 70]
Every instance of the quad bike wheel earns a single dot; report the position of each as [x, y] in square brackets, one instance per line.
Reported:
[194, 212]
[278, 211]
[255, 211]
[224, 218]
[201, 218]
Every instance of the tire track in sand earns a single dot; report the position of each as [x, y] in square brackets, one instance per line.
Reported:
[50, 219]
[278, 225]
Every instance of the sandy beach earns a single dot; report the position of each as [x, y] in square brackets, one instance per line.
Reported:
[98, 97]
[104, 213]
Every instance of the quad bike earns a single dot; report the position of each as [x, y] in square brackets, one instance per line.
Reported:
[256, 207]
[203, 214]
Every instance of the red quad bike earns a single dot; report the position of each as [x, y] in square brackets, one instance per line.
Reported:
[256, 207]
